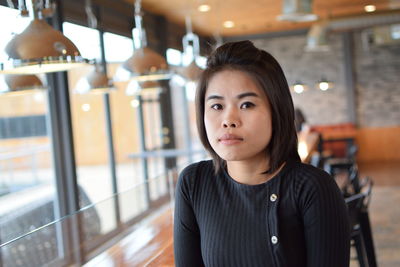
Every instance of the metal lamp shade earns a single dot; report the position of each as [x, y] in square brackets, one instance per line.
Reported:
[95, 82]
[147, 65]
[191, 72]
[143, 88]
[40, 49]
[22, 84]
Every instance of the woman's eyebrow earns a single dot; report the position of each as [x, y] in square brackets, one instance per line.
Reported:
[214, 97]
[246, 95]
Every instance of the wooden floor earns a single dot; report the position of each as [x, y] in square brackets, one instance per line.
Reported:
[151, 244]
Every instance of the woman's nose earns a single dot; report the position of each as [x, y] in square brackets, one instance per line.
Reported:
[231, 120]
[229, 125]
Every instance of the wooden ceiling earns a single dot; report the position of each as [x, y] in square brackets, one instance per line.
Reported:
[256, 16]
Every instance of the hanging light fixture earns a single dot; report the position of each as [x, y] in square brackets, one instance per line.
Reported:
[21, 84]
[40, 48]
[97, 80]
[135, 88]
[145, 64]
[191, 50]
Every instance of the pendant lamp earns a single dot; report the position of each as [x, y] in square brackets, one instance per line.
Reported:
[21, 84]
[40, 48]
[145, 64]
[191, 47]
[135, 88]
[97, 80]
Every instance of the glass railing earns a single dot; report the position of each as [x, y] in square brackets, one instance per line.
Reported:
[74, 239]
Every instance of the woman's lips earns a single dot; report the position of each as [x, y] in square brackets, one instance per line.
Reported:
[230, 139]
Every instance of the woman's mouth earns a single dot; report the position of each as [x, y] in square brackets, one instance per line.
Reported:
[230, 139]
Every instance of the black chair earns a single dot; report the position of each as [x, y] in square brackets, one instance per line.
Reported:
[361, 233]
[354, 206]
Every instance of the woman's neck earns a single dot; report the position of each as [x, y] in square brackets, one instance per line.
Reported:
[250, 172]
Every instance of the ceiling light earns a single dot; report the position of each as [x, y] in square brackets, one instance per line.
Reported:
[191, 72]
[370, 8]
[191, 50]
[40, 48]
[229, 24]
[324, 84]
[22, 84]
[95, 82]
[141, 88]
[299, 87]
[204, 8]
[145, 64]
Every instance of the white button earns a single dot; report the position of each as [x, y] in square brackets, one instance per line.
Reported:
[273, 197]
[274, 239]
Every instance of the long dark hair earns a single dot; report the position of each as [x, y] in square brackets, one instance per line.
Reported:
[267, 72]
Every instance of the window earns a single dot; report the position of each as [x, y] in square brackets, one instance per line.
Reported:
[89, 129]
[27, 178]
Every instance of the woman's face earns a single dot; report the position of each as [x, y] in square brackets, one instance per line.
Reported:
[237, 116]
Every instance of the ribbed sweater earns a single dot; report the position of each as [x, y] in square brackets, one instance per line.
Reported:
[297, 218]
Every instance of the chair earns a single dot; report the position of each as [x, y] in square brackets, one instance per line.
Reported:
[361, 232]
[354, 206]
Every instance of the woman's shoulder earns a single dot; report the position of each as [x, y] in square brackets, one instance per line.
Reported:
[192, 173]
[196, 169]
[306, 177]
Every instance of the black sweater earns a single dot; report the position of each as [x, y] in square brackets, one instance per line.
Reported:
[297, 218]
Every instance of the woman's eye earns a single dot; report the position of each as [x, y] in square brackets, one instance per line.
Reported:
[216, 106]
[247, 105]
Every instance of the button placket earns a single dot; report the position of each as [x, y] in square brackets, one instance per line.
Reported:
[273, 198]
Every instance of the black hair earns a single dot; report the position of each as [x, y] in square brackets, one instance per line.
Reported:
[266, 71]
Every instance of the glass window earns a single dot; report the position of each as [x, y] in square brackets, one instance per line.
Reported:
[126, 132]
[118, 48]
[27, 178]
[86, 39]
[89, 129]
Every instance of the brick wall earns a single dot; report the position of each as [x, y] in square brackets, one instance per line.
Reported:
[378, 80]
[378, 84]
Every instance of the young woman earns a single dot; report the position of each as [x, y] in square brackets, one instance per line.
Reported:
[255, 203]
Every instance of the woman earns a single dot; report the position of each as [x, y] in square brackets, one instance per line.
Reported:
[255, 203]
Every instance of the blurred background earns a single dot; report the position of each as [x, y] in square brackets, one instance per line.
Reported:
[97, 117]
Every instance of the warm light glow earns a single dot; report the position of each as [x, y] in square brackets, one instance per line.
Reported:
[43, 67]
[370, 8]
[135, 103]
[302, 149]
[204, 8]
[229, 24]
[298, 88]
[86, 107]
[38, 97]
[324, 86]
